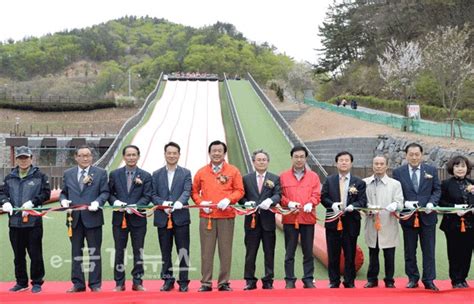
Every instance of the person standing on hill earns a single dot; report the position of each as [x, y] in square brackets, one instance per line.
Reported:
[301, 193]
[25, 187]
[217, 183]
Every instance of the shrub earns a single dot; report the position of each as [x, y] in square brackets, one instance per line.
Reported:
[57, 107]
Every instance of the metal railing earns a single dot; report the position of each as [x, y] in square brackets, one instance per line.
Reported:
[238, 127]
[128, 126]
[290, 135]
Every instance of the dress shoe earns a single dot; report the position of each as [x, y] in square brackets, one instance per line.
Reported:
[465, 284]
[389, 285]
[75, 289]
[308, 285]
[96, 289]
[250, 286]
[183, 288]
[371, 284]
[290, 285]
[167, 286]
[138, 287]
[348, 285]
[18, 288]
[431, 286]
[36, 288]
[204, 288]
[458, 285]
[224, 287]
[333, 285]
[412, 284]
[267, 285]
[119, 288]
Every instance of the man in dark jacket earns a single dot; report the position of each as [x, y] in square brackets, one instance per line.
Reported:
[25, 187]
[129, 186]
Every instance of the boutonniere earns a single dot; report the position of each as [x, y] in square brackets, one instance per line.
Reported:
[138, 180]
[470, 188]
[353, 190]
[88, 180]
[428, 176]
[269, 184]
[222, 179]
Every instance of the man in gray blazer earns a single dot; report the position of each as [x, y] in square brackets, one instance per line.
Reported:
[172, 188]
[85, 185]
[129, 186]
[262, 189]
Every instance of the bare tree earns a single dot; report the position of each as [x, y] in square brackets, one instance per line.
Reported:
[300, 78]
[448, 59]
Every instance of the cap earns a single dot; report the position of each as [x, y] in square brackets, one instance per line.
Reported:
[23, 151]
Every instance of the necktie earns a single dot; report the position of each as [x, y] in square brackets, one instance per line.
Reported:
[377, 181]
[129, 180]
[216, 169]
[81, 179]
[342, 192]
[414, 179]
[260, 183]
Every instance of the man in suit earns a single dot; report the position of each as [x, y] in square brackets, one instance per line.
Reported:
[217, 183]
[421, 188]
[85, 185]
[381, 228]
[343, 191]
[172, 188]
[25, 187]
[301, 192]
[262, 190]
[129, 186]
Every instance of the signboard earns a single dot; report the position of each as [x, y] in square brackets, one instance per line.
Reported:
[413, 111]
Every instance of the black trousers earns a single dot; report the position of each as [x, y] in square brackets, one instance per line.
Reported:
[137, 235]
[460, 246]
[253, 237]
[337, 240]
[28, 240]
[427, 235]
[374, 266]
[94, 267]
[181, 239]
[291, 242]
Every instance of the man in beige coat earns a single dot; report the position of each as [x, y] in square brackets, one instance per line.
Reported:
[381, 227]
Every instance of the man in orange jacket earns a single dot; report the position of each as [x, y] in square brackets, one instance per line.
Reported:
[218, 184]
[300, 192]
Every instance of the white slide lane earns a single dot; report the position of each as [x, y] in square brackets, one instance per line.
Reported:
[188, 113]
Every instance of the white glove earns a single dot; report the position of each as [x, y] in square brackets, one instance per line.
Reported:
[293, 205]
[336, 207]
[250, 204]
[412, 205]
[119, 203]
[8, 208]
[429, 208]
[349, 208]
[461, 212]
[265, 205]
[308, 207]
[223, 203]
[392, 207]
[94, 206]
[167, 204]
[65, 203]
[177, 206]
[27, 205]
[206, 203]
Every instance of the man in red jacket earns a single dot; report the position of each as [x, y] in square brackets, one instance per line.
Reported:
[217, 183]
[300, 192]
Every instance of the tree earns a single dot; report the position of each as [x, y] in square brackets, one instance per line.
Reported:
[300, 78]
[448, 59]
[399, 65]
